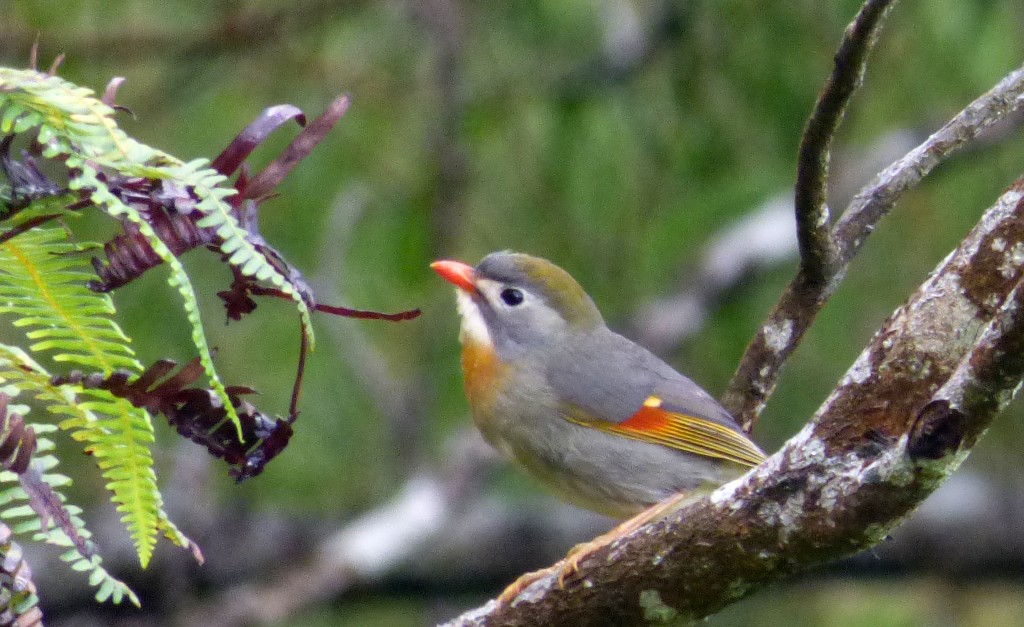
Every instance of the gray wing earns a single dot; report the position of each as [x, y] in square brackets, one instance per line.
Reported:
[585, 380]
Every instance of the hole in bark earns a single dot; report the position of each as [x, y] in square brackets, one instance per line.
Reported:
[937, 431]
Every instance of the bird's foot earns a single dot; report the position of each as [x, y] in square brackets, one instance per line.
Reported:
[570, 566]
[525, 581]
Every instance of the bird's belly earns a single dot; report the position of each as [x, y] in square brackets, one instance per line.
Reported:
[590, 468]
[605, 473]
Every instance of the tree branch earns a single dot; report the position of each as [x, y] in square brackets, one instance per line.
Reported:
[817, 247]
[758, 371]
[878, 197]
[903, 418]
[762, 239]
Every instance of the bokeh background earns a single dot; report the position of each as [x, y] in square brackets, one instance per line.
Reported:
[615, 137]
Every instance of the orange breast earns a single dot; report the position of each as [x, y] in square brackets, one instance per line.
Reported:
[481, 370]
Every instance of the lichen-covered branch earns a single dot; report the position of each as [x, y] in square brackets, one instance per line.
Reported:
[797, 307]
[902, 418]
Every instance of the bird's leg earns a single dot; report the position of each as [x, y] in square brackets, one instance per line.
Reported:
[570, 565]
[523, 582]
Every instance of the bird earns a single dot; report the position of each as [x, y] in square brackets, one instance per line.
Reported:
[601, 421]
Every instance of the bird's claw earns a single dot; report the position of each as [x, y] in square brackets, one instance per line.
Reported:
[570, 566]
[524, 581]
[565, 571]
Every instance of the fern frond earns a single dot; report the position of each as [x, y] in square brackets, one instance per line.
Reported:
[178, 277]
[42, 286]
[116, 434]
[76, 125]
[70, 119]
[118, 437]
[237, 246]
[25, 520]
[73, 124]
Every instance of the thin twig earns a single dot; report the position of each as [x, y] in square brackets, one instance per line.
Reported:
[877, 198]
[300, 370]
[338, 310]
[398, 398]
[762, 240]
[758, 371]
[27, 225]
[817, 247]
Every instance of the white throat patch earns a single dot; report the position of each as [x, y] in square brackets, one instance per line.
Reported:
[474, 329]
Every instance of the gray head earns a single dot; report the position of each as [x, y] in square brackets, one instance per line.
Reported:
[523, 301]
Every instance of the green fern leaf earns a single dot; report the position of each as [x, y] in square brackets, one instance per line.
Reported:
[178, 277]
[116, 434]
[109, 586]
[44, 289]
[83, 129]
[42, 285]
[17, 596]
[241, 252]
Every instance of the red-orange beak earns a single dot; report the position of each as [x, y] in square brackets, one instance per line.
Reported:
[457, 273]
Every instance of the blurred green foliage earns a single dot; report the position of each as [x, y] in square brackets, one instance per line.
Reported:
[478, 126]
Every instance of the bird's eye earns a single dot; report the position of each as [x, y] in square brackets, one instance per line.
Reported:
[512, 296]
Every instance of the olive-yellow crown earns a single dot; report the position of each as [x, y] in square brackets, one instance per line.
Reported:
[553, 285]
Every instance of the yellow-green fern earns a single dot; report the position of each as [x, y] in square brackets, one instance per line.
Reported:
[42, 288]
[76, 125]
[19, 374]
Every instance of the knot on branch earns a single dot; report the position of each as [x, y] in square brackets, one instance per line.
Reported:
[937, 431]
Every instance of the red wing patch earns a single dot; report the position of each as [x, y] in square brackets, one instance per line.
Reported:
[687, 433]
[650, 419]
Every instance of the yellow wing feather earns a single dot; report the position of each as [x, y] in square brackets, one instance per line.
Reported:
[682, 432]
